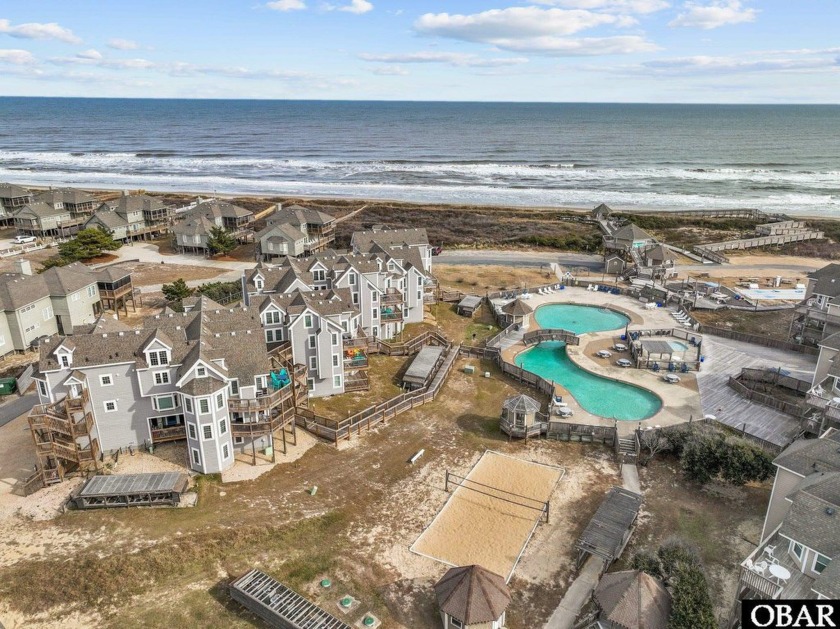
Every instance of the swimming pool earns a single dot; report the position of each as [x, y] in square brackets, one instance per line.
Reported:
[579, 319]
[596, 394]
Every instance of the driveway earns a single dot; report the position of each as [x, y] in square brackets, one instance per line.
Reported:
[14, 406]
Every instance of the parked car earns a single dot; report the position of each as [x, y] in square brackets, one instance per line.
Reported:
[20, 239]
[624, 362]
[671, 378]
[436, 251]
[604, 353]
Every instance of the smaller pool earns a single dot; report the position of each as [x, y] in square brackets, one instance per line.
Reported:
[596, 394]
[580, 319]
[677, 346]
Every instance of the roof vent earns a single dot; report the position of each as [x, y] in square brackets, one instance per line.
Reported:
[247, 331]
[122, 333]
[829, 511]
[217, 335]
[136, 332]
[233, 333]
[105, 336]
[177, 327]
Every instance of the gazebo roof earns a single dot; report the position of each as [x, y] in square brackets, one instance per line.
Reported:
[517, 308]
[633, 599]
[472, 594]
[521, 404]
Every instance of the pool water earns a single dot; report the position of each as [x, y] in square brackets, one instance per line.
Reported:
[598, 395]
[677, 346]
[579, 319]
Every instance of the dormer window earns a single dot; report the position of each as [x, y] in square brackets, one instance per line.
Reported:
[352, 279]
[272, 316]
[200, 372]
[319, 276]
[160, 357]
[307, 321]
[64, 359]
[259, 284]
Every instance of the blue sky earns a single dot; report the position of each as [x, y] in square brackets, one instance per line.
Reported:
[773, 51]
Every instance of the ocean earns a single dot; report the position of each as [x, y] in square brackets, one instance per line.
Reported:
[783, 158]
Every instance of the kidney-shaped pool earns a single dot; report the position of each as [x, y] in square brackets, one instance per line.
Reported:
[596, 394]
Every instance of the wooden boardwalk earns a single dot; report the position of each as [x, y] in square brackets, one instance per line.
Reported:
[724, 358]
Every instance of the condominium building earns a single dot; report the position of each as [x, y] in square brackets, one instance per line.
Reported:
[193, 231]
[818, 315]
[380, 238]
[798, 556]
[12, 198]
[132, 216]
[203, 376]
[295, 231]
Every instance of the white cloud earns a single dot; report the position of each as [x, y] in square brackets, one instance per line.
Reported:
[702, 64]
[357, 6]
[452, 58]
[16, 57]
[714, 15]
[90, 54]
[624, 6]
[122, 44]
[35, 30]
[514, 23]
[390, 71]
[287, 5]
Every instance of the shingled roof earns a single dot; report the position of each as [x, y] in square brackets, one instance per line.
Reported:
[472, 594]
[521, 404]
[806, 456]
[634, 600]
[632, 232]
[364, 240]
[517, 308]
[299, 215]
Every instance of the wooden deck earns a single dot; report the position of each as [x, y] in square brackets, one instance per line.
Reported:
[725, 358]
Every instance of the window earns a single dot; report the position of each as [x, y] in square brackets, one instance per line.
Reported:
[191, 428]
[106, 380]
[77, 296]
[223, 428]
[352, 279]
[335, 339]
[188, 404]
[203, 405]
[207, 431]
[159, 358]
[797, 549]
[318, 275]
[335, 360]
[65, 360]
[336, 381]
[454, 622]
[307, 321]
[200, 372]
[42, 388]
[91, 290]
[238, 440]
[356, 298]
[519, 419]
[259, 382]
[220, 400]
[161, 377]
[272, 316]
[27, 308]
[164, 402]
[310, 383]
[2, 339]
[32, 327]
[374, 296]
[234, 387]
[225, 452]
[196, 457]
[820, 563]
[375, 313]
[313, 362]
[258, 284]
[110, 406]
[419, 295]
[312, 341]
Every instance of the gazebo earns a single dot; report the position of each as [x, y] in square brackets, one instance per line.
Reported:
[632, 599]
[518, 312]
[472, 597]
[519, 417]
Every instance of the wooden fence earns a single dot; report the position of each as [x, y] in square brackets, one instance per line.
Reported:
[372, 416]
[769, 401]
[408, 347]
[710, 255]
[776, 377]
[762, 241]
[586, 433]
[23, 381]
[759, 340]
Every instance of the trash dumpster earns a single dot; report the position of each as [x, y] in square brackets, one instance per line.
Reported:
[7, 386]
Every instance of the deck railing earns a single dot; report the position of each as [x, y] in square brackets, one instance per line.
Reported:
[173, 433]
[261, 403]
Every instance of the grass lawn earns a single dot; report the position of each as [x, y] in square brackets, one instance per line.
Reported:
[774, 324]
[481, 279]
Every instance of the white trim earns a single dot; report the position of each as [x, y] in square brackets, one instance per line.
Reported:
[206, 401]
[102, 382]
[196, 454]
[155, 375]
[204, 429]
[192, 431]
[106, 403]
[814, 563]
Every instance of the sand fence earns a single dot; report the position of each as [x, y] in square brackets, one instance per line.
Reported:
[491, 514]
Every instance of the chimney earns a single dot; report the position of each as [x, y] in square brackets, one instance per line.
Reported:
[24, 267]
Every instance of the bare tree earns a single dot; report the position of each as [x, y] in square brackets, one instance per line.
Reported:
[652, 442]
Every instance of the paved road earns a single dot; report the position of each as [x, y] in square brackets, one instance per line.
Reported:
[519, 258]
[16, 406]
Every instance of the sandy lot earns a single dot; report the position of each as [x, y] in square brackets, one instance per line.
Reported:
[480, 525]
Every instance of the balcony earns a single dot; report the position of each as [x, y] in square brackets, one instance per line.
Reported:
[173, 433]
[262, 426]
[756, 581]
[358, 381]
[392, 296]
[353, 343]
[262, 402]
[388, 314]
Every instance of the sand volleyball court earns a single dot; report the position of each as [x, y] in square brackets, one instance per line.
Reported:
[491, 513]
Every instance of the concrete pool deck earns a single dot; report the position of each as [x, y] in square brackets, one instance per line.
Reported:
[680, 402]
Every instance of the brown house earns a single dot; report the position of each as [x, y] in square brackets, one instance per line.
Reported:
[631, 599]
[471, 597]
